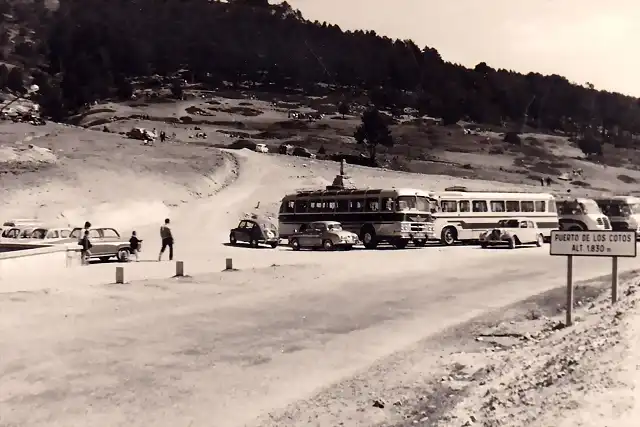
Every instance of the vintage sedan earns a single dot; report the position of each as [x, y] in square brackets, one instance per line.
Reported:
[107, 243]
[327, 235]
[255, 232]
[513, 232]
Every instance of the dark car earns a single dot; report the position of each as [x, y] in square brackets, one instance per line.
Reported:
[255, 232]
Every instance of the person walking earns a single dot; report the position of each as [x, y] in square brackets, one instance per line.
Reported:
[167, 240]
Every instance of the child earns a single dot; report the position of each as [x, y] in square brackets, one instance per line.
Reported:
[135, 245]
[85, 252]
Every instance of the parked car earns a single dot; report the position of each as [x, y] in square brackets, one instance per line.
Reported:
[255, 232]
[303, 152]
[262, 148]
[327, 235]
[107, 243]
[16, 229]
[25, 233]
[50, 234]
[513, 232]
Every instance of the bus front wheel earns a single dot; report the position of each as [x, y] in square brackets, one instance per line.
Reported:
[368, 237]
[449, 236]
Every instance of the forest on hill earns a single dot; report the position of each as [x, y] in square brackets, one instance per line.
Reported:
[89, 50]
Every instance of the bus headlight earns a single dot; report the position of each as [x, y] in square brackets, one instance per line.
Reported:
[405, 227]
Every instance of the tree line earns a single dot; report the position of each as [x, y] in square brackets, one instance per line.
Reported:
[93, 49]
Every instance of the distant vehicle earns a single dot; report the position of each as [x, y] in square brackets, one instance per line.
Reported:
[396, 215]
[327, 235]
[49, 234]
[14, 228]
[464, 215]
[107, 243]
[580, 214]
[303, 152]
[513, 232]
[11, 233]
[623, 212]
[255, 232]
[261, 148]
[22, 222]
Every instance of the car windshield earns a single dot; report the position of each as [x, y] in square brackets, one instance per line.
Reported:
[413, 203]
[334, 227]
[509, 223]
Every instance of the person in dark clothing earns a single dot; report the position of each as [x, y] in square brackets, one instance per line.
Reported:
[163, 136]
[135, 244]
[167, 240]
[85, 251]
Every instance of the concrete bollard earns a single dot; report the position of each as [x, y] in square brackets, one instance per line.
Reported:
[179, 268]
[119, 275]
[229, 264]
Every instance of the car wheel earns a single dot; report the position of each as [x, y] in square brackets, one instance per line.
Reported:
[123, 255]
[253, 242]
[232, 239]
[512, 243]
[540, 240]
[295, 244]
[327, 245]
[274, 245]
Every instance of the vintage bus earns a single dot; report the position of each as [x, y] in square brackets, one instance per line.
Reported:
[623, 212]
[396, 216]
[464, 215]
[580, 214]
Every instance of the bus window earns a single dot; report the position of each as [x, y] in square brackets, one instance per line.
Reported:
[330, 206]
[342, 205]
[551, 206]
[479, 206]
[287, 207]
[356, 206]
[387, 204]
[540, 206]
[527, 206]
[513, 206]
[464, 205]
[312, 206]
[373, 205]
[301, 206]
[497, 206]
[449, 206]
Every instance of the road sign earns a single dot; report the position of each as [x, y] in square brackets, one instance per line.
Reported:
[594, 243]
[606, 244]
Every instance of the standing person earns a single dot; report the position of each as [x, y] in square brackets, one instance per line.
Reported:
[167, 240]
[85, 251]
[163, 136]
[135, 245]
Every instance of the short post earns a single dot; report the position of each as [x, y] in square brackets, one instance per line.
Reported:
[179, 268]
[229, 264]
[569, 320]
[119, 275]
[614, 280]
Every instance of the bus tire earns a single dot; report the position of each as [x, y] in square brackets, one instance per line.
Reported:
[368, 237]
[449, 236]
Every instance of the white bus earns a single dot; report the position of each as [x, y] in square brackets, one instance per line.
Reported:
[580, 214]
[623, 212]
[464, 215]
[396, 216]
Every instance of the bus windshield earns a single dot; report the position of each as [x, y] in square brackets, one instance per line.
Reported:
[586, 207]
[413, 203]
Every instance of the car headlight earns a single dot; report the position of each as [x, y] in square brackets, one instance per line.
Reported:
[269, 233]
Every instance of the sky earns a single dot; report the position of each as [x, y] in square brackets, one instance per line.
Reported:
[592, 41]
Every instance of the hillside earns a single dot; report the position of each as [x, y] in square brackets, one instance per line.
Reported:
[251, 43]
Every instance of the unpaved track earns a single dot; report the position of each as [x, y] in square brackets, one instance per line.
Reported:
[235, 348]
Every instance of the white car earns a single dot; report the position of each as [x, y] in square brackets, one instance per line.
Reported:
[262, 148]
[513, 232]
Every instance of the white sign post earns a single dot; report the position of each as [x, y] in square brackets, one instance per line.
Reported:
[611, 244]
